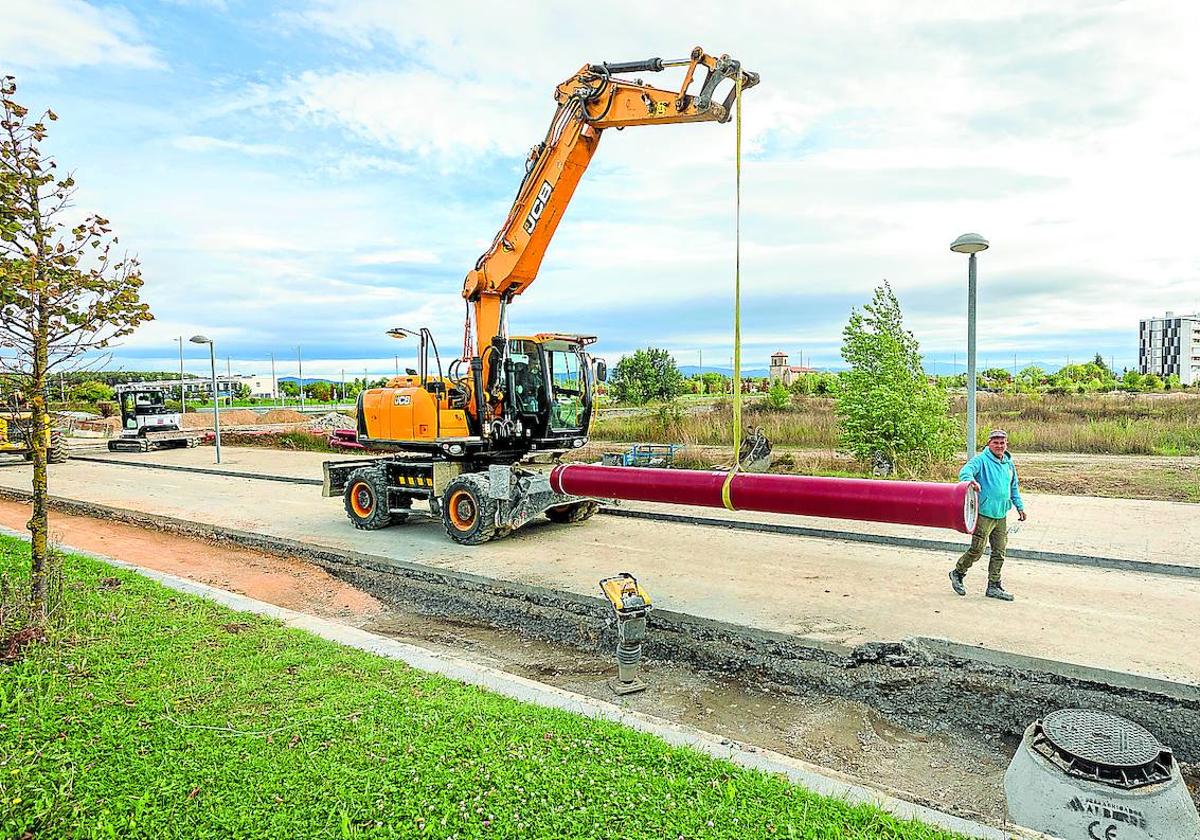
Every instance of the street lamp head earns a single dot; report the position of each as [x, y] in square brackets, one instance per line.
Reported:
[199, 339]
[400, 332]
[969, 243]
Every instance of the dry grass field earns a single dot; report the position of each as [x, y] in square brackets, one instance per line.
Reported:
[1110, 424]
[1141, 446]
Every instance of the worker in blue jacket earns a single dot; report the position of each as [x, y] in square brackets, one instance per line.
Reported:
[995, 477]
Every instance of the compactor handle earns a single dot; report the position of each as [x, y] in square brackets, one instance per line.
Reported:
[654, 65]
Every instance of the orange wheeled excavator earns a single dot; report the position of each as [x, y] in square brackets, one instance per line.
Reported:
[477, 438]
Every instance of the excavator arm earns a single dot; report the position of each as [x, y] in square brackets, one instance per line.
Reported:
[590, 101]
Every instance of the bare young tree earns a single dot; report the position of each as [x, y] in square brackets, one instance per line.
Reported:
[64, 292]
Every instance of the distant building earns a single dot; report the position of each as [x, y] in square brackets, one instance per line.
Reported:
[1170, 345]
[201, 387]
[260, 386]
[781, 371]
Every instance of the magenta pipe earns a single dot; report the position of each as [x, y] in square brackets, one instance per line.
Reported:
[925, 503]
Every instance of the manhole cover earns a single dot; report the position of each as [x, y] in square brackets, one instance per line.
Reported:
[1101, 738]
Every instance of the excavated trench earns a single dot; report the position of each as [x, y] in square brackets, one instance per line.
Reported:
[933, 721]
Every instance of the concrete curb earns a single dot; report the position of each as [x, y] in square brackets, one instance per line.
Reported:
[816, 779]
[1087, 560]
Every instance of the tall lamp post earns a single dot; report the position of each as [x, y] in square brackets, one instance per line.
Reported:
[182, 383]
[970, 243]
[212, 360]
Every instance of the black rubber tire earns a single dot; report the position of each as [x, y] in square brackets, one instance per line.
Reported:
[576, 512]
[365, 499]
[58, 452]
[472, 518]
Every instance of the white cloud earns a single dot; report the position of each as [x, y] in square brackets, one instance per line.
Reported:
[396, 256]
[392, 109]
[200, 143]
[48, 34]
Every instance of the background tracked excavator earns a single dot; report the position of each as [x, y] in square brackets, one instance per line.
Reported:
[477, 438]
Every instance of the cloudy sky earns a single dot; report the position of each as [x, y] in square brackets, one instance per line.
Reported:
[313, 173]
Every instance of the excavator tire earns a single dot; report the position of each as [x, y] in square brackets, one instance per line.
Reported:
[366, 499]
[58, 452]
[468, 510]
[575, 512]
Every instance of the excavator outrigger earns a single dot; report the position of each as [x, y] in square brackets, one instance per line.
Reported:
[477, 440]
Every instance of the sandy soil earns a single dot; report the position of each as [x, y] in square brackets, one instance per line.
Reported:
[282, 581]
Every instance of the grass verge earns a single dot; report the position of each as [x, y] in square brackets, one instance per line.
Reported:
[150, 713]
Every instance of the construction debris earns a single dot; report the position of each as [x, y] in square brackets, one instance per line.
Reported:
[330, 422]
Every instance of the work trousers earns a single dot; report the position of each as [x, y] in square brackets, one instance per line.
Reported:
[987, 530]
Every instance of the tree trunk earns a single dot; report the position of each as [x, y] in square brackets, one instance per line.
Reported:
[38, 524]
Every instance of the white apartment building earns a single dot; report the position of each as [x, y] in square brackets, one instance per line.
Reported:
[1170, 345]
[260, 386]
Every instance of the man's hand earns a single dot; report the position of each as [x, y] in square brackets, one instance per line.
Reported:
[1020, 516]
[975, 484]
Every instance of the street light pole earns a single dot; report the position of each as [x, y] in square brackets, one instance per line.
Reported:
[971, 381]
[274, 385]
[182, 386]
[970, 243]
[212, 361]
[300, 362]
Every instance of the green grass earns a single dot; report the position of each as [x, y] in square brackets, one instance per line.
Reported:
[154, 714]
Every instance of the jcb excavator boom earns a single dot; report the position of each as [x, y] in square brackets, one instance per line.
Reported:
[590, 101]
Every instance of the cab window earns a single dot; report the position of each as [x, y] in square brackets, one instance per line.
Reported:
[566, 405]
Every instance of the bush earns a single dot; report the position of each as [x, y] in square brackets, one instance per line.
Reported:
[778, 397]
[886, 404]
[91, 392]
[649, 374]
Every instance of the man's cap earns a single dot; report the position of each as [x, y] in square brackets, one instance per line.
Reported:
[995, 433]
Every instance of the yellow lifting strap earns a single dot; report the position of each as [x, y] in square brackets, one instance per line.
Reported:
[737, 308]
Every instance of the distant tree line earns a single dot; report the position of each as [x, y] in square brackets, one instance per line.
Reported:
[1087, 378]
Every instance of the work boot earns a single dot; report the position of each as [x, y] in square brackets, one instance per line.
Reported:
[956, 581]
[995, 590]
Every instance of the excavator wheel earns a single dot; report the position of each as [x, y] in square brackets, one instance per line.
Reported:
[575, 512]
[58, 452]
[468, 510]
[366, 499]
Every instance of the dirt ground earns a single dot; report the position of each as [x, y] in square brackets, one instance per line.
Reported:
[948, 772]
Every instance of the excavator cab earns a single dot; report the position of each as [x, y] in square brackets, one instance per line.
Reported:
[553, 387]
[538, 396]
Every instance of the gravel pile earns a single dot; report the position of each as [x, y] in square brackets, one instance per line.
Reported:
[330, 422]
